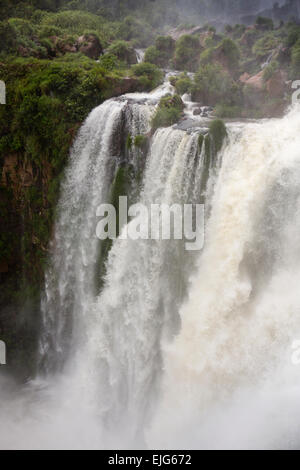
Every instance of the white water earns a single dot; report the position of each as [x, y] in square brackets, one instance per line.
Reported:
[140, 54]
[179, 350]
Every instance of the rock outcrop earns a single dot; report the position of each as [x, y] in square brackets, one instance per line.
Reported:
[256, 81]
[89, 45]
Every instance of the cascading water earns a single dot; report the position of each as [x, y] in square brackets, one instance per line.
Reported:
[175, 349]
[230, 366]
[134, 318]
[70, 283]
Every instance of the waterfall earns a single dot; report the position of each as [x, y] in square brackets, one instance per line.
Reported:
[139, 305]
[140, 54]
[243, 310]
[70, 281]
[172, 349]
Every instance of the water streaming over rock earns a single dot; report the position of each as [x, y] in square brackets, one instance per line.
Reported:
[172, 348]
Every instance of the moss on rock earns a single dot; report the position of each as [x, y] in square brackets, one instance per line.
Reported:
[218, 133]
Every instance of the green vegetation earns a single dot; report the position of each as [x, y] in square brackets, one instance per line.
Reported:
[183, 84]
[141, 141]
[265, 45]
[270, 70]
[295, 63]
[230, 51]
[47, 103]
[168, 112]
[148, 74]
[132, 29]
[218, 133]
[187, 53]
[265, 23]
[61, 58]
[152, 56]
[161, 53]
[214, 86]
[123, 51]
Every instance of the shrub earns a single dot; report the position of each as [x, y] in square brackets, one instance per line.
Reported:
[7, 36]
[168, 112]
[173, 80]
[153, 56]
[265, 45]
[265, 23]
[150, 76]
[123, 51]
[162, 52]
[133, 29]
[183, 85]
[295, 63]
[238, 31]
[213, 86]
[270, 70]
[73, 21]
[187, 53]
[293, 36]
[231, 51]
[250, 37]
[206, 56]
[165, 44]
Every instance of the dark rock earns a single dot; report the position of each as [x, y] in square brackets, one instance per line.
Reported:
[89, 45]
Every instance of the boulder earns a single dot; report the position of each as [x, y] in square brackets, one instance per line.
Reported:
[89, 45]
[24, 51]
[69, 48]
[123, 86]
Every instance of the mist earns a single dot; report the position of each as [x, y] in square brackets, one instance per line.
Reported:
[226, 11]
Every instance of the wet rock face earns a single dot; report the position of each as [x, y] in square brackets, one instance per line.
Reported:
[126, 85]
[204, 111]
[89, 45]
